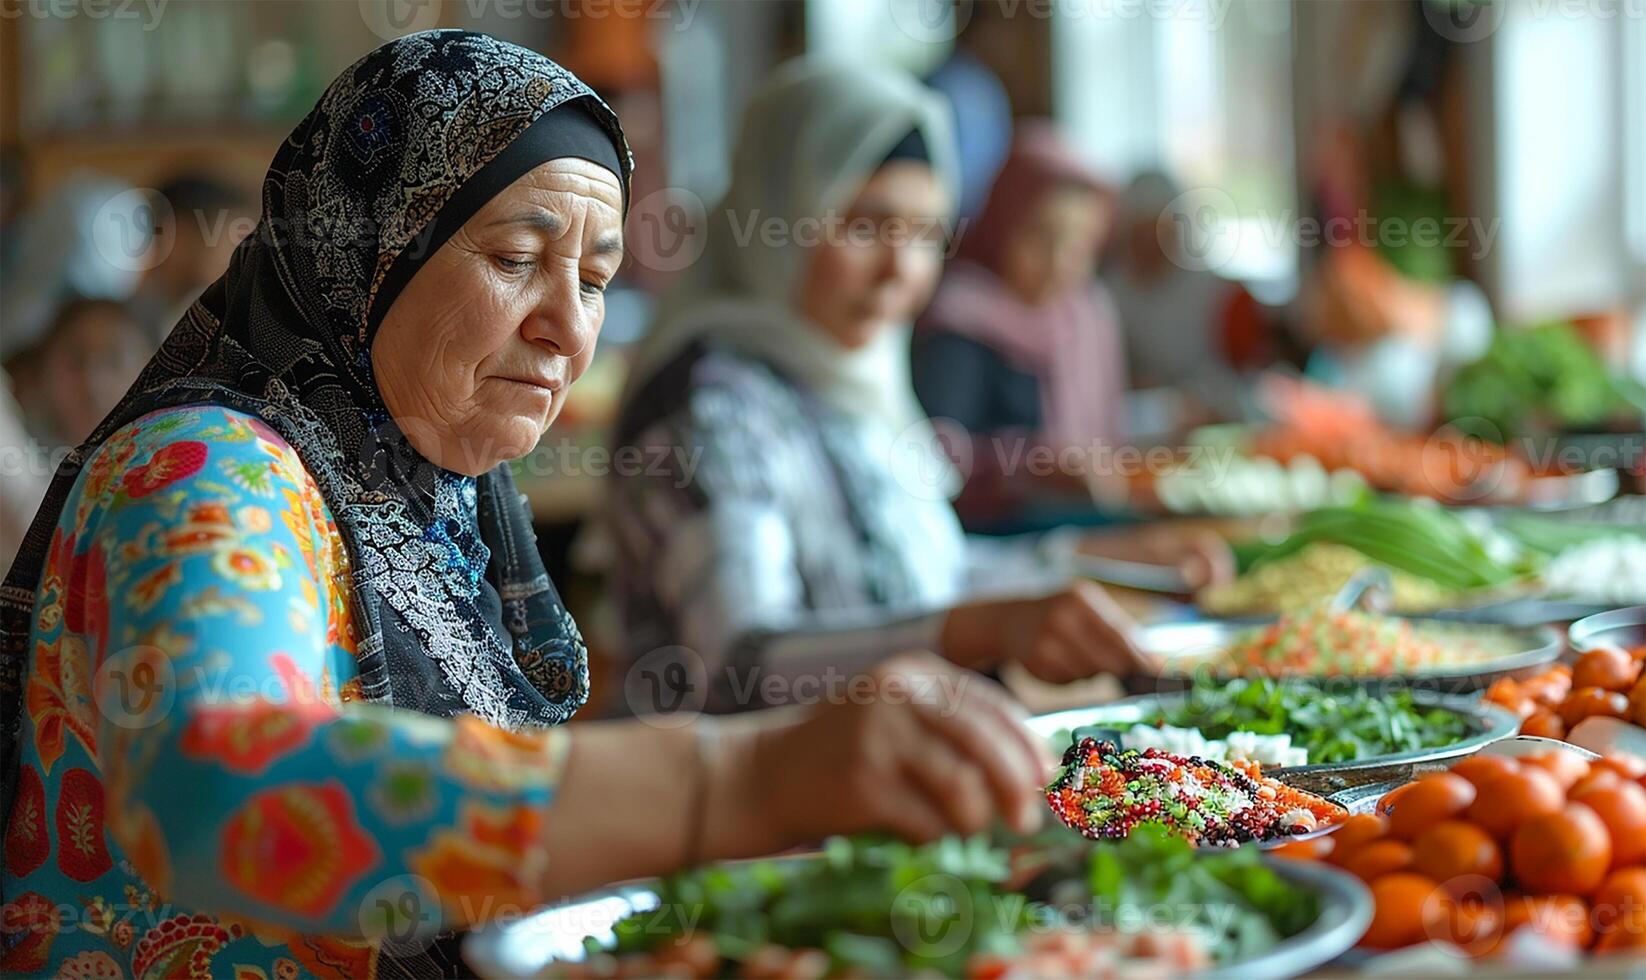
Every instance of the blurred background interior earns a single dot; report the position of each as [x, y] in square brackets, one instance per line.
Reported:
[1378, 217]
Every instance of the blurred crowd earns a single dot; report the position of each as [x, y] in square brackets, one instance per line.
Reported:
[1071, 311]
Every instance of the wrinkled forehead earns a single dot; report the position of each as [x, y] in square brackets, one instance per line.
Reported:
[559, 197]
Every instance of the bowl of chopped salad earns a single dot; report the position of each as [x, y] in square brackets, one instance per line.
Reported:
[1054, 904]
[1380, 651]
[1105, 792]
[1319, 734]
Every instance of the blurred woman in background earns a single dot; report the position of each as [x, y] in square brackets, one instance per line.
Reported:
[1020, 346]
[801, 522]
[1186, 327]
[90, 355]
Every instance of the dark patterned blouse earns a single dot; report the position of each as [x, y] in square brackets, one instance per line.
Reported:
[776, 548]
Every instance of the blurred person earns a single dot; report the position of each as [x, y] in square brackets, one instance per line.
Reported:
[12, 167]
[87, 238]
[297, 501]
[22, 484]
[89, 356]
[793, 519]
[203, 219]
[1185, 326]
[1393, 316]
[1020, 346]
[982, 111]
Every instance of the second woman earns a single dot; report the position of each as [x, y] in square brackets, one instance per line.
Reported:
[808, 530]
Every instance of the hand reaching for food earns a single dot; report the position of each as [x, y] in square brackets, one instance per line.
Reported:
[1073, 633]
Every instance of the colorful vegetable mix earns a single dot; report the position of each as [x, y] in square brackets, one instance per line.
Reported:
[1319, 642]
[1106, 793]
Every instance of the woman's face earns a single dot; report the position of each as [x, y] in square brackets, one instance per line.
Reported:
[1055, 247]
[881, 267]
[476, 355]
[89, 364]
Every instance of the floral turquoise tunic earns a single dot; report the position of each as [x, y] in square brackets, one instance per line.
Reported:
[202, 793]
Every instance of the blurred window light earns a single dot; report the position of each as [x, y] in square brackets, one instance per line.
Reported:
[1202, 90]
[1561, 151]
[1634, 122]
[912, 34]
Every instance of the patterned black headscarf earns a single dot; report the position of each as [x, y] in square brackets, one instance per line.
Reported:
[452, 605]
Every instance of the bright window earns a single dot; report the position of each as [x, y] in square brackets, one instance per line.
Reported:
[1200, 89]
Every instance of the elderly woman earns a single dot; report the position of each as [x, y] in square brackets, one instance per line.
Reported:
[805, 527]
[280, 660]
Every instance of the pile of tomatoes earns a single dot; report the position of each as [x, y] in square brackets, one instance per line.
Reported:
[1607, 681]
[1546, 842]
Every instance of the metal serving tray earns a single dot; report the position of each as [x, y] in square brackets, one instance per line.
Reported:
[1535, 647]
[528, 946]
[1488, 723]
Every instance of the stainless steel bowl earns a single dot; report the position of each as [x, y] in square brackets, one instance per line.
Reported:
[1487, 722]
[1621, 627]
[526, 947]
[1535, 647]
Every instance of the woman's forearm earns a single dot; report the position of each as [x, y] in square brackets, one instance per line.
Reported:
[652, 796]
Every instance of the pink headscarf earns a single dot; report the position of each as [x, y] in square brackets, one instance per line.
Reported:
[1072, 341]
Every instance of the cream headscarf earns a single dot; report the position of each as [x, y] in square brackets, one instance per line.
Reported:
[812, 134]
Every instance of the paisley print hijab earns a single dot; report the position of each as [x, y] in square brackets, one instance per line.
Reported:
[358, 195]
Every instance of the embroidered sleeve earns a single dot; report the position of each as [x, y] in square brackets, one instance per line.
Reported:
[208, 596]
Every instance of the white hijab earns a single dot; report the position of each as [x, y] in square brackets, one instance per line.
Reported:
[812, 134]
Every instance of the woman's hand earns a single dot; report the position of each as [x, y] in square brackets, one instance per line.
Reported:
[1200, 555]
[916, 746]
[1066, 636]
